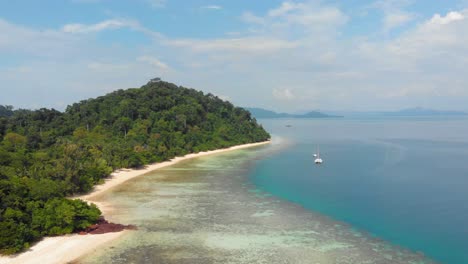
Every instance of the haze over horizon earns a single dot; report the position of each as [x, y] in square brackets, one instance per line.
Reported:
[286, 56]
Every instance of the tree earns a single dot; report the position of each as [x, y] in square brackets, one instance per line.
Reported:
[123, 124]
[6, 110]
[15, 140]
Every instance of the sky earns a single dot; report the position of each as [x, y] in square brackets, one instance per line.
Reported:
[353, 55]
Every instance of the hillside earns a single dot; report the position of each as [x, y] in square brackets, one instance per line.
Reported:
[263, 113]
[47, 155]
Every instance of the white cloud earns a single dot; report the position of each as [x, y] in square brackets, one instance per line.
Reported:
[326, 16]
[410, 90]
[156, 63]
[391, 4]
[283, 94]
[298, 19]
[435, 36]
[17, 39]
[248, 44]
[394, 13]
[285, 8]
[157, 3]
[66, 67]
[248, 17]
[104, 25]
[148, 62]
[308, 14]
[212, 7]
[296, 47]
[108, 67]
[437, 19]
[426, 62]
[394, 20]
[273, 29]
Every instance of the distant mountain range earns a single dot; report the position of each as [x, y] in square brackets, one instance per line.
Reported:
[264, 113]
[409, 112]
[415, 112]
[419, 111]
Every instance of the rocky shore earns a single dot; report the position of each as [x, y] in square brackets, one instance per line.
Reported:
[103, 226]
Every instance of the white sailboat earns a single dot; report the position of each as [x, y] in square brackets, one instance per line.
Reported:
[318, 160]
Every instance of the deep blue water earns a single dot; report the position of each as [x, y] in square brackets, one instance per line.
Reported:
[402, 180]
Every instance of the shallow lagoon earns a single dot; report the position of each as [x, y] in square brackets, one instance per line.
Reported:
[207, 210]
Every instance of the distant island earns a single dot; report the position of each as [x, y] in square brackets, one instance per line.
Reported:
[408, 112]
[48, 155]
[264, 113]
[419, 111]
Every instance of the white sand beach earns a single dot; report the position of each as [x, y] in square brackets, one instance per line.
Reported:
[67, 248]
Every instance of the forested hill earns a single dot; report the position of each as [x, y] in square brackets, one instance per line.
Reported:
[47, 155]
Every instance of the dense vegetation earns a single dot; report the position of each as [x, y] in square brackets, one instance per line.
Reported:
[47, 155]
[6, 110]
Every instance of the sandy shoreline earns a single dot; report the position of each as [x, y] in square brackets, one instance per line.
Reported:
[67, 248]
[124, 175]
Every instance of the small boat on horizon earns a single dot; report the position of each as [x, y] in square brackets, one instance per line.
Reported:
[318, 160]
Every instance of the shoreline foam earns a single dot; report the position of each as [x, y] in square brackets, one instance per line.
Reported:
[63, 249]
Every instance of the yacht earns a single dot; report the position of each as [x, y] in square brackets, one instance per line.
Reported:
[318, 160]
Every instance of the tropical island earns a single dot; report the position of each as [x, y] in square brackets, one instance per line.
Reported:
[47, 155]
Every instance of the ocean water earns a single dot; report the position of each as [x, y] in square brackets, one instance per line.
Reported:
[265, 205]
[401, 180]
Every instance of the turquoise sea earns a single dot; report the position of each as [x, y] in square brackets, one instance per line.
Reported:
[404, 180]
[389, 191]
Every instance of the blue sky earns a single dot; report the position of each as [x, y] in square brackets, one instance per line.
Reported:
[283, 55]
